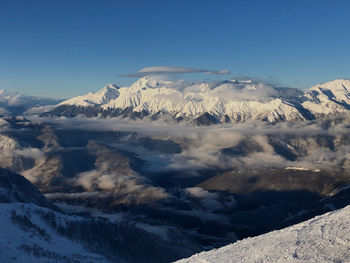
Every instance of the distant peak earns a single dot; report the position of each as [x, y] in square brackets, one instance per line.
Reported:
[336, 81]
[337, 84]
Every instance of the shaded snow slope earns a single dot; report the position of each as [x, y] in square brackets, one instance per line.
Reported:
[325, 238]
[16, 188]
[26, 237]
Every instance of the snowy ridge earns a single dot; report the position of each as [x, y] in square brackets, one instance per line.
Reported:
[325, 238]
[229, 100]
[103, 96]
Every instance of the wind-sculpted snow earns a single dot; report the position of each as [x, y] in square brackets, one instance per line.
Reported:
[211, 102]
[324, 238]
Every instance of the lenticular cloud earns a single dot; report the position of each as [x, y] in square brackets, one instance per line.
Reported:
[160, 70]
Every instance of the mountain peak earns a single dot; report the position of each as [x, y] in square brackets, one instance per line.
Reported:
[337, 84]
[338, 89]
[106, 91]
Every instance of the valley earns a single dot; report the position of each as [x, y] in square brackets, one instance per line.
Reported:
[191, 183]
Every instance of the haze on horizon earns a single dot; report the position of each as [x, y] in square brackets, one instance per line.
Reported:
[62, 49]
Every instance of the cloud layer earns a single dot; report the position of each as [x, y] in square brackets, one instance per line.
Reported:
[251, 144]
[165, 70]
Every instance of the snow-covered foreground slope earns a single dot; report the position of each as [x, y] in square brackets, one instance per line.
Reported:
[26, 237]
[224, 101]
[25, 231]
[325, 238]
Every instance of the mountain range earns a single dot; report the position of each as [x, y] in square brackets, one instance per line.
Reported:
[211, 102]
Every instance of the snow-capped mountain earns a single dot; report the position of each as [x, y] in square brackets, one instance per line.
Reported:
[224, 101]
[330, 97]
[324, 238]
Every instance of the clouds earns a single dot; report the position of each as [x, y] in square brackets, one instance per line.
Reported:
[123, 189]
[123, 151]
[166, 70]
[15, 103]
[207, 199]
[113, 177]
[251, 144]
[200, 193]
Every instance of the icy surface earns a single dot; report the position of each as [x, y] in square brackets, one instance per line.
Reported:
[325, 238]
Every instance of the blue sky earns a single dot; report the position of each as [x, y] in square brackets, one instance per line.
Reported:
[66, 48]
